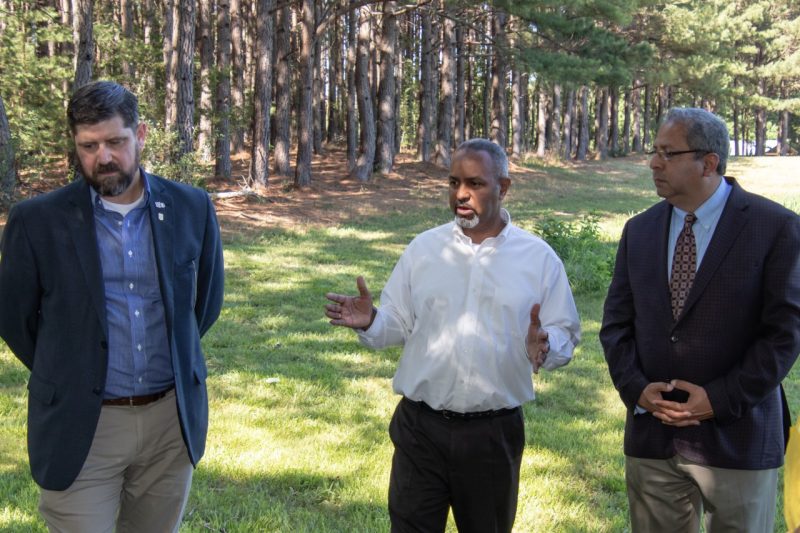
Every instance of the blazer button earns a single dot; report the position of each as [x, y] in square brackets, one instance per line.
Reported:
[674, 338]
[104, 345]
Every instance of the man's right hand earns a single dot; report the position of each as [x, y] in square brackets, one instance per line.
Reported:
[351, 311]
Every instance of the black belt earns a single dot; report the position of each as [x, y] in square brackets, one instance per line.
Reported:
[450, 415]
[135, 401]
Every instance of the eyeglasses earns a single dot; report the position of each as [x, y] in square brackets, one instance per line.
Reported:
[666, 155]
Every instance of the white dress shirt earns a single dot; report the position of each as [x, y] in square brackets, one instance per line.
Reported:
[462, 314]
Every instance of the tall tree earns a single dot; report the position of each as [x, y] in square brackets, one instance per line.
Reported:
[259, 153]
[283, 91]
[426, 88]
[206, 108]
[222, 139]
[499, 132]
[444, 137]
[386, 92]
[185, 90]
[305, 118]
[83, 37]
[126, 22]
[366, 155]
[352, 112]
[237, 75]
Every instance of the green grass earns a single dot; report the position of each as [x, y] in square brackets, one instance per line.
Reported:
[299, 410]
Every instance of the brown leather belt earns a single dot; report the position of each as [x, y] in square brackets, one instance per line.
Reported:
[135, 401]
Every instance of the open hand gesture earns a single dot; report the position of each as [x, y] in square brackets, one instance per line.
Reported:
[537, 341]
[351, 311]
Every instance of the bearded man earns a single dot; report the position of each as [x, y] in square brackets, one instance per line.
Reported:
[108, 284]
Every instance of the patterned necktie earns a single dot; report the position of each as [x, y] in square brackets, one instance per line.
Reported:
[684, 264]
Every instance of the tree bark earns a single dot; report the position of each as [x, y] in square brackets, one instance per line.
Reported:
[126, 23]
[352, 112]
[637, 114]
[185, 101]
[222, 141]
[425, 126]
[461, 62]
[237, 76]
[541, 137]
[206, 44]
[366, 157]
[334, 81]
[8, 172]
[602, 124]
[647, 127]
[613, 107]
[386, 92]
[83, 37]
[444, 137]
[555, 122]
[499, 128]
[626, 124]
[283, 92]
[569, 121]
[583, 135]
[262, 96]
[305, 123]
[318, 102]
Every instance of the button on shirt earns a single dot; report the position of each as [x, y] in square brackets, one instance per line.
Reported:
[462, 313]
[138, 350]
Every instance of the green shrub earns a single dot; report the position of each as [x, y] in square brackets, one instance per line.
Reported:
[587, 259]
[162, 156]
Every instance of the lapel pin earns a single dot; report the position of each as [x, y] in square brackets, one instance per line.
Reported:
[160, 205]
[161, 216]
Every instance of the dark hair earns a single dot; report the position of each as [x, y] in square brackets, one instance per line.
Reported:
[704, 131]
[498, 155]
[102, 100]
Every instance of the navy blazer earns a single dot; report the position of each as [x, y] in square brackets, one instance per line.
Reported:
[737, 336]
[53, 314]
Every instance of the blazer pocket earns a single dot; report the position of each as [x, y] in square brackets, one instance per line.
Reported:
[43, 391]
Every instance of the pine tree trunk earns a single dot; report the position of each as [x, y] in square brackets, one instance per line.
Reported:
[317, 100]
[237, 76]
[602, 125]
[583, 135]
[444, 137]
[8, 172]
[83, 37]
[334, 81]
[637, 114]
[386, 92]
[461, 63]
[569, 120]
[185, 118]
[541, 142]
[222, 139]
[206, 44]
[626, 124]
[555, 123]
[499, 128]
[517, 113]
[366, 156]
[171, 48]
[352, 112]
[613, 106]
[425, 126]
[283, 92]
[126, 23]
[262, 96]
[305, 123]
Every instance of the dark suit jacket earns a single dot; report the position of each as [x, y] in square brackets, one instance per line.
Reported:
[53, 315]
[738, 334]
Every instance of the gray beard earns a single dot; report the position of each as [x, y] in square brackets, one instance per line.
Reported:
[468, 223]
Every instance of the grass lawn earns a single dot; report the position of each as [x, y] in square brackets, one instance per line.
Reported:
[299, 410]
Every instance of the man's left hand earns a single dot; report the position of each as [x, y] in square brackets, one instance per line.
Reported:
[696, 408]
[537, 341]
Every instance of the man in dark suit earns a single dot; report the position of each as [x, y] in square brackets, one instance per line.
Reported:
[701, 324]
[107, 286]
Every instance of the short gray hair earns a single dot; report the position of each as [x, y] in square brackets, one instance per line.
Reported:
[704, 131]
[498, 155]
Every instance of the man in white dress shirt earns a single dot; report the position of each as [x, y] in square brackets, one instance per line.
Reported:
[478, 305]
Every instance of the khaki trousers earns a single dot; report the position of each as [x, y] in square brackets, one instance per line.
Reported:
[671, 496]
[136, 478]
